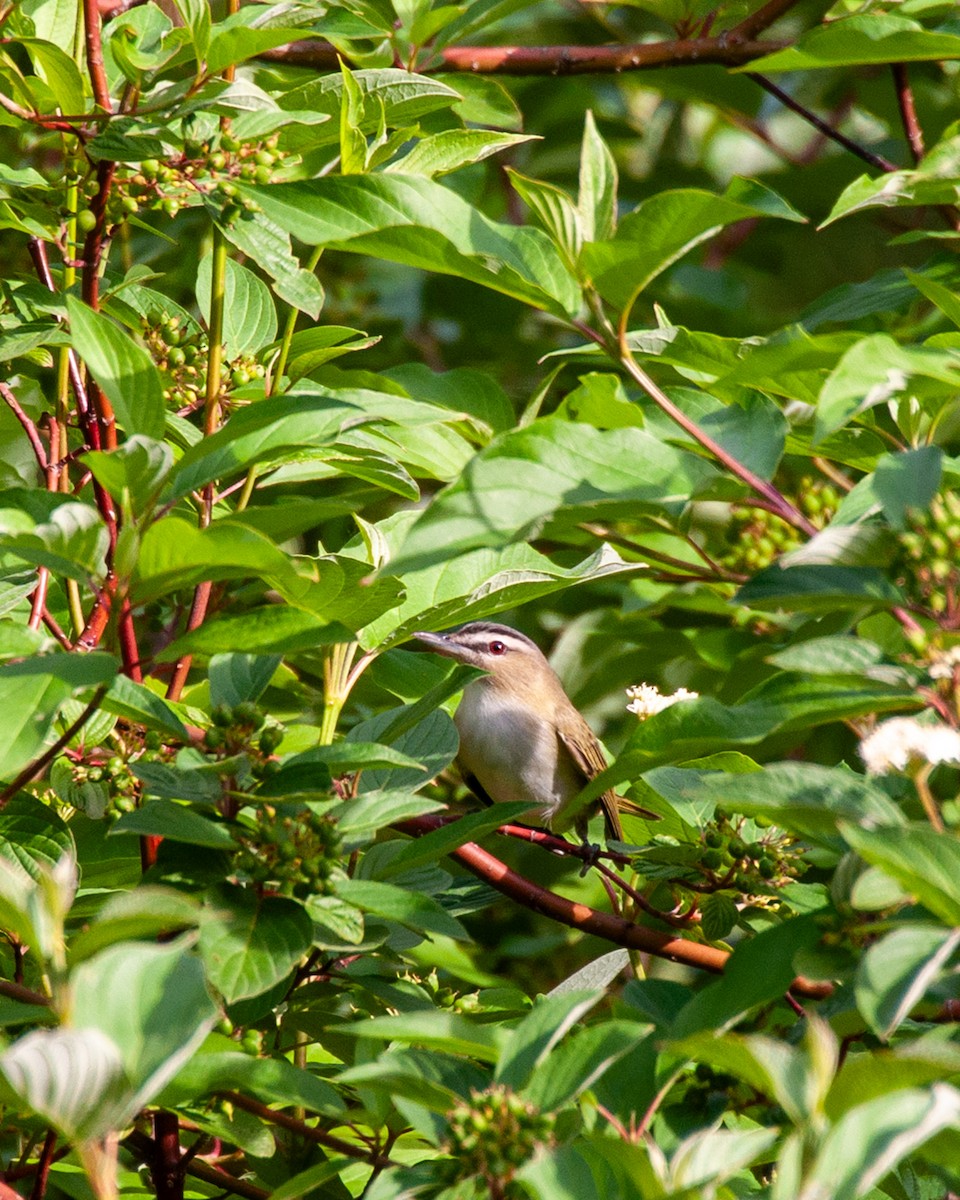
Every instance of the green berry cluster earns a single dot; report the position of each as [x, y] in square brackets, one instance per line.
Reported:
[756, 538]
[749, 867]
[293, 851]
[203, 167]
[494, 1133]
[445, 997]
[180, 350]
[928, 565]
[242, 729]
[102, 785]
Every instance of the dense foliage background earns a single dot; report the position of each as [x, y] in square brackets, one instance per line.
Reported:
[635, 323]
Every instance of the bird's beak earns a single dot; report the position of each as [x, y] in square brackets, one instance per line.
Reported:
[439, 644]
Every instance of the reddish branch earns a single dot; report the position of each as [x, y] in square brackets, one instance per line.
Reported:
[557, 60]
[22, 995]
[588, 920]
[28, 426]
[94, 48]
[146, 1148]
[308, 1132]
[908, 112]
[166, 1167]
[38, 252]
[44, 1164]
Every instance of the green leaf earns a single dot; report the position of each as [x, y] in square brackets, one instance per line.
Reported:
[249, 944]
[404, 96]
[555, 211]
[414, 910]
[925, 862]
[263, 241]
[870, 1141]
[273, 629]
[123, 369]
[577, 1064]
[138, 703]
[454, 148]
[249, 315]
[238, 677]
[550, 468]
[449, 1032]
[359, 820]
[597, 198]
[412, 220]
[58, 70]
[32, 834]
[175, 553]
[233, 44]
[434, 845]
[260, 434]
[73, 542]
[353, 144]
[69, 1077]
[153, 1002]
[141, 914]
[527, 1046]
[813, 588]
[167, 818]
[197, 19]
[873, 371]
[718, 916]
[896, 972]
[32, 692]
[665, 227]
[217, 1067]
[432, 743]
[862, 40]
[803, 797]
[138, 468]
[311, 348]
[760, 970]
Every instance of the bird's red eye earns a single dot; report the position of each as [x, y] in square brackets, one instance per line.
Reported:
[497, 648]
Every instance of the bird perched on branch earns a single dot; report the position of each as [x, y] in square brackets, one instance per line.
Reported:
[521, 738]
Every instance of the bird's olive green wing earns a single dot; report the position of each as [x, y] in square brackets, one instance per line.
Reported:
[582, 746]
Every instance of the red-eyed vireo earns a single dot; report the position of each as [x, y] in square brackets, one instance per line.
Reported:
[520, 736]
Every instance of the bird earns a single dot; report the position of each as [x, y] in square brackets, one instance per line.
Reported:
[521, 737]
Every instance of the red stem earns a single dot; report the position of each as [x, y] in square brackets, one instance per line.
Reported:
[43, 1166]
[588, 920]
[167, 1168]
[91, 35]
[908, 112]
[557, 60]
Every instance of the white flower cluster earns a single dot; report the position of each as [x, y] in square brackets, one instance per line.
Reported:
[944, 663]
[894, 744]
[645, 699]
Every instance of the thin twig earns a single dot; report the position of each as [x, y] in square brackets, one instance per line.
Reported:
[762, 19]
[32, 769]
[308, 1132]
[908, 112]
[778, 503]
[29, 427]
[875, 160]
[43, 1166]
[22, 995]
